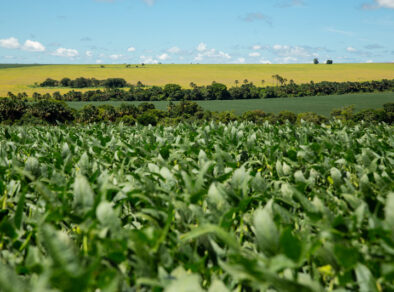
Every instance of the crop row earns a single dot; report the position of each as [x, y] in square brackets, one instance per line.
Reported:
[235, 207]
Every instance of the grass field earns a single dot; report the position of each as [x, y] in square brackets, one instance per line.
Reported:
[322, 105]
[22, 79]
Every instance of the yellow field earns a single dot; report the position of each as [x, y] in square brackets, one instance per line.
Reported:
[22, 79]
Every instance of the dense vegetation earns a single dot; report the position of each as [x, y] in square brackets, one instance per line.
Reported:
[82, 82]
[215, 91]
[235, 207]
[17, 111]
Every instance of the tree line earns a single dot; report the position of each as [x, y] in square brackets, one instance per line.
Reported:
[216, 91]
[82, 82]
[16, 111]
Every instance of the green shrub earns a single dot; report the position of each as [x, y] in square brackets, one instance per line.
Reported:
[284, 116]
[51, 111]
[225, 116]
[389, 112]
[128, 120]
[107, 113]
[89, 114]
[12, 109]
[343, 114]
[256, 116]
[370, 115]
[147, 118]
[311, 117]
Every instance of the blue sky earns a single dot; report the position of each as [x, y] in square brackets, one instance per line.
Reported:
[196, 31]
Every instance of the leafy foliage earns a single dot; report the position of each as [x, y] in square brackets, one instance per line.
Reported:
[218, 207]
[215, 91]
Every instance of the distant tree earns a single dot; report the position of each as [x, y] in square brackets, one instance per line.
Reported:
[65, 82]
[102, 66]
[49, 83]
[11, 95]
[315, 61]
[236, 82]
[262, 82]
[173, 91]
[114, 83]
[329, 62]
[246, 81]
[217, 91]
[51, 111]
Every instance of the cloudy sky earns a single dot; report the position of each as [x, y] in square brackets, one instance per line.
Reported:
[196, 31]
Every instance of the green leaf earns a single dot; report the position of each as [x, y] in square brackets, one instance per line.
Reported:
[107, 216]
[389, 211]
[290, 245]
[19, 211]
[218, 286]
[184, 282]
[365, 280]
[336, 175]
[9, 280]
[83, 195]
[347, 257]
[211, 229]
[266, 232]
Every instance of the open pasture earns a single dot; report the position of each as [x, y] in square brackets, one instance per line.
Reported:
[22, 79]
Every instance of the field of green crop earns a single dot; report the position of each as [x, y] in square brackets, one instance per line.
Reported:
[234, 207]
[21, 79]
[322, 105]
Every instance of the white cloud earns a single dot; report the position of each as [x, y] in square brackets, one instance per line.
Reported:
[379, 4]
[256, 16]
[386, 3]
[369, 61]
[163, 57]
[256, 47]
[338, 31]
[351, 49]
[99, 61]
[263, 61]
[174, 50]
[149, 2]
[115, 57]
[33, 46]
[10, 43]
[131, 49]
[293, 51]
[148, 60]
[63, 52]
[254, 54]
[212, 54]
[241, 60]
[289, 59]
[201, 47]
[89, 53]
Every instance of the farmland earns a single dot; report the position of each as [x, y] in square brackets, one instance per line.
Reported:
[322, 105]
[190, 208]
[22, 79]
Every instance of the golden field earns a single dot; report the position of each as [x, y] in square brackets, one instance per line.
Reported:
[22, 79]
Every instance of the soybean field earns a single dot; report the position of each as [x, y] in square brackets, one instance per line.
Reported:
[218, 207]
